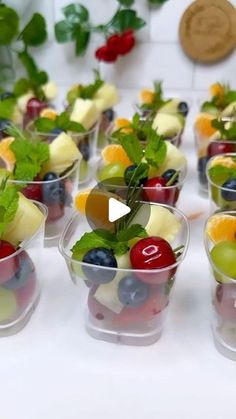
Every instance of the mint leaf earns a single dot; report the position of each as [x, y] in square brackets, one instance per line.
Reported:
[132, 147]
[44, 125]
[88, 91]
[136, 230]
[156, 149]
[75, 127]
[7, 107]
[30, 156]
[35, 32]
[94, 239]
[140, 173]
[9, 24]
[63, 120]
[76, 13]
[219, 174]
[126, 3]
[126, 19]
[21, 87]
[8, 205]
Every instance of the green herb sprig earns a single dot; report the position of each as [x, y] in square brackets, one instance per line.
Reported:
[62, 121]
[9, 199]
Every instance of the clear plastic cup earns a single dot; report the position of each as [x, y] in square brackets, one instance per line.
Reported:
[20, 275]
[223, 291]
[106, 318]
[86, 143]
[167, 195]
[57, 195]
[221, 198]
[207, 148]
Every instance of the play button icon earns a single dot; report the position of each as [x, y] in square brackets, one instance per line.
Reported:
[117, 210]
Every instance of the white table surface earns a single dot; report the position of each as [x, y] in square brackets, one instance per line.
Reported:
[54, 370]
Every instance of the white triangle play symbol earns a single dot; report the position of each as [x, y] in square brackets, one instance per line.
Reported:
[117, 210]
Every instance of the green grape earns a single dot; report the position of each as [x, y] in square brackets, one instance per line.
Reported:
[114, 170]
[223, 255]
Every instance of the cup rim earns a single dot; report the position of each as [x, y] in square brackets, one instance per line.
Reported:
[72, 134]
[25, 243]
[206, 239]
[69, 259]
[74, 167]
[210, 181]
[179, 184]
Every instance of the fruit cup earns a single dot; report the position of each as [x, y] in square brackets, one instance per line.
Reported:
[86, 143]
[20, 274]
[220, 245]
[207, 148]
[115, 180]
[221, 176]
[123, 305]
[57, 194]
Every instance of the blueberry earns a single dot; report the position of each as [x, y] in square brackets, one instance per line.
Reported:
[5, 95]
[229, 195]
[21, 276]
[54, 192]
[168, 174]
[50, 176]
[202, 163]
[129, 174]
[110, 114]
[4, 124]
[183, 108]
[56, 131]
[132, 292]
[84, 149]
[99, 257]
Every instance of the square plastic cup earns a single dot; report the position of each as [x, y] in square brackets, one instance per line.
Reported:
[20, 275]
[206, 149]
[167, 195]
[57, 195]
[223, 292]
[87, 145]
[221, 198]
[106, 318]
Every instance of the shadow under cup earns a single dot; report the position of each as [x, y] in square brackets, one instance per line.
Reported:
[56, 195]
[20, 275]
[223, 295]
[107, 317]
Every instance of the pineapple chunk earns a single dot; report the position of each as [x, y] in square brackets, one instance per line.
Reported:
[106, 97]
[168, 124]
[85, 112]
[107, 294]
[161, 223]
[23, 100]
[175, 159]
[50, 90]
[27, 220]
[63, 153]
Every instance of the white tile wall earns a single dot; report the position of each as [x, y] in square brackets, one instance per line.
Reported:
[158, 54]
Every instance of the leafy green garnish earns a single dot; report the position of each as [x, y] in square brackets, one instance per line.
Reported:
[104, 238]
[158, 100]
[62, 121]
[7, 107]
[227, 129]
[30, 155]
[155, 152]
[85, 91]
[8, 205]
[35, 32]
[36, 77]
[220, 174]
[9, 24]
[132, 147]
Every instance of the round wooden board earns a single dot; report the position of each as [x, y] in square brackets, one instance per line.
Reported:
[208, 30]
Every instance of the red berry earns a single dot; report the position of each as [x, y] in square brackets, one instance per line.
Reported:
[33, 191]
[153, 253]
[155, 190]
[127, 42]
[225, 301]
[113, 43]
[34, 107]
[219, 147]
[106, 54]
[10, 266]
